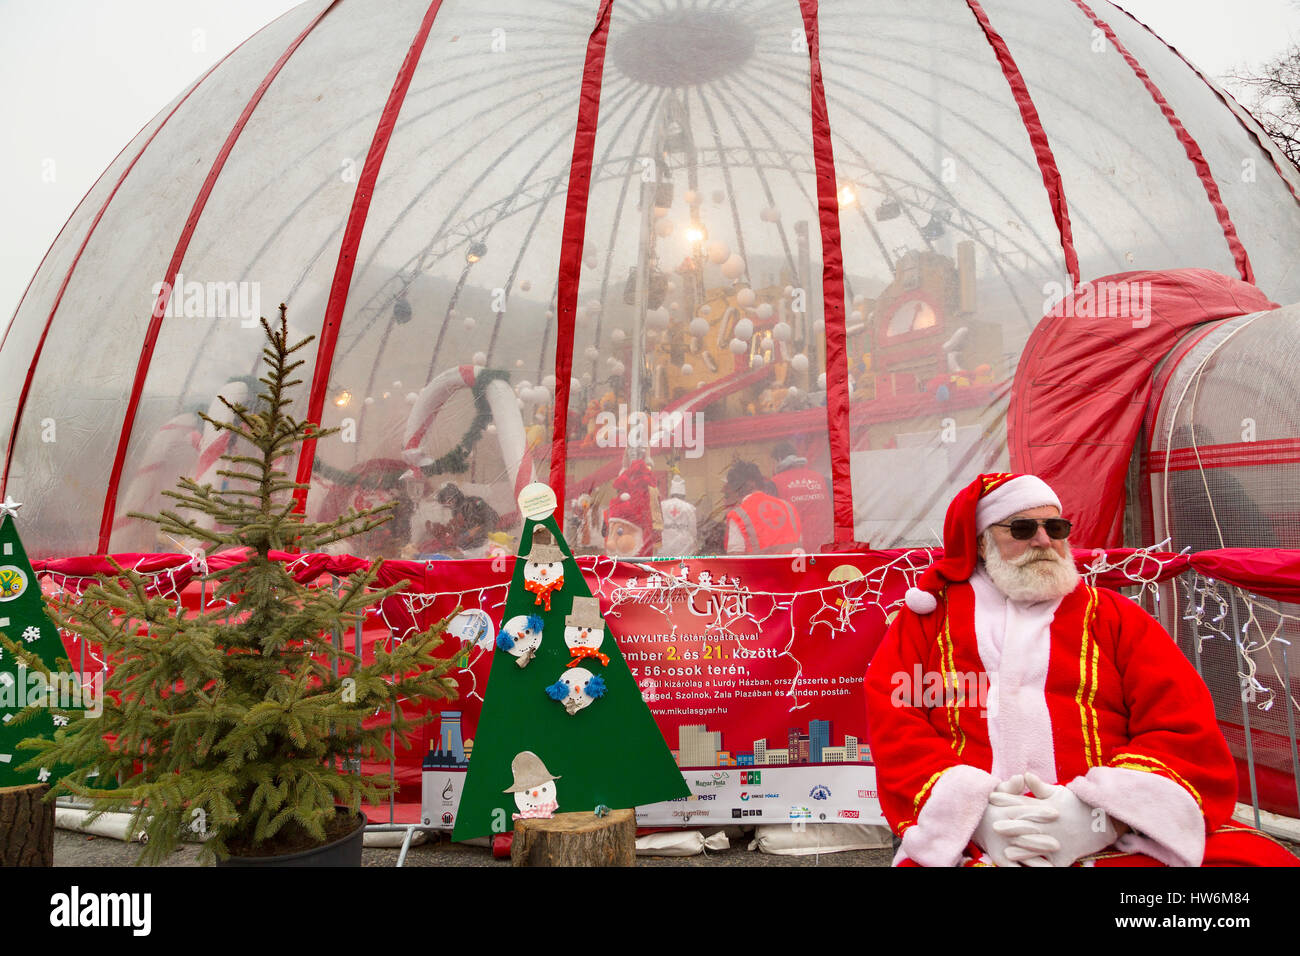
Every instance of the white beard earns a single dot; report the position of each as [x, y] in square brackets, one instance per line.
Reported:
[1040, 574]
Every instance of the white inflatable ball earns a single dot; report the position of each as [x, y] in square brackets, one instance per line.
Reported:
[618, 336]
[770, 214]
[764, 311]
[397, 383]
[616, 368]
[738, 347]
[789, 291]
[480, 358]
[745, 298]
[664, 228]
[411, 397]
[691, 197]
[857, 316]
[661, 211]
[549, 383]
[734, 267]
[491, 429]
[688, 369]
[756, 361]
[657, 318]
[745, 329]
[592, 352]
[819, 327]
[525, 285]
[469, 322]
[782, 332]
[821, 381]
[699, 327]
[799, 363]
[718, 251]
[368, 400]
[793, 391]
[519, 363]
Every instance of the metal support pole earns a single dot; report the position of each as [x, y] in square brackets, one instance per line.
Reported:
[1290, 725]
[1245, 715]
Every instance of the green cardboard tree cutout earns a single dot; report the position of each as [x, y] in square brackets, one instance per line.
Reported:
[564, 727]
[36, 691]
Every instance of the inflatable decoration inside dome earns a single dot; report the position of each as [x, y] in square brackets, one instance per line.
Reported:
[732, 277]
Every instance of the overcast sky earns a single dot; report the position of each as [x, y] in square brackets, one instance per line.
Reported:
[80, 77]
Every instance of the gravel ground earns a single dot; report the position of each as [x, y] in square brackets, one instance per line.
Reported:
[79, 849]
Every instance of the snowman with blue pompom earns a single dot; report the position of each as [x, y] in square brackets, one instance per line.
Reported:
[521, 636]
[576, 689]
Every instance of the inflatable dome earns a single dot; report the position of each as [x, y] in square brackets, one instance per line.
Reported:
[552, 239]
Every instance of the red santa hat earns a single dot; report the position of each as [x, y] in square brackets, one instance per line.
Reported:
[986, 501]
[631, 502]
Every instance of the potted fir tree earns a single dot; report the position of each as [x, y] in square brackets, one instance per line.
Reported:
[238, 721]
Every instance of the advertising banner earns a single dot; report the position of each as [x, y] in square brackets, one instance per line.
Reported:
[751, 666]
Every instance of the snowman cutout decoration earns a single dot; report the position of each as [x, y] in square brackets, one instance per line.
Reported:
[543, 568]
[533, 787]
[521, 636]
[584, 631]
[576, 689]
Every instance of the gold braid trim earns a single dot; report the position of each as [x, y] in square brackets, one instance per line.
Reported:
[1131, 761]
[1088, 682]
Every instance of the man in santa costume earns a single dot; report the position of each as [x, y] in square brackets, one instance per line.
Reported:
[1069, 727]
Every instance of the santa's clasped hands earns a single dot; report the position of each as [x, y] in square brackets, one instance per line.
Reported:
[1049, 826]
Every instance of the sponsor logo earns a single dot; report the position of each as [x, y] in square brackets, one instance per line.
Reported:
[800, 813]
[744, 795]
[849, 814]
[751, 778]
[448, 792]
[866, 794]
[448, 818]
[688, 814]
[820, 792]
[735, 813]
[720, 778]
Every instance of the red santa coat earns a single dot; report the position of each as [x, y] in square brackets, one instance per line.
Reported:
[1131, 723]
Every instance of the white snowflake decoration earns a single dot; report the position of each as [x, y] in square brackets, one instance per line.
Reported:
[31, 634]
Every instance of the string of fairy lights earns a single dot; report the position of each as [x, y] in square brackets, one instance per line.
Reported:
[724, 611]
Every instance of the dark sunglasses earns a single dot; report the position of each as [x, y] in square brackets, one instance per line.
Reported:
[1022, 529]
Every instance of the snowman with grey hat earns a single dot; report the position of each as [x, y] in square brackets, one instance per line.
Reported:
[533, 787]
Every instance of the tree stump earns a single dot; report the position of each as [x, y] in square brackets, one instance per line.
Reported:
[26, 826]
[576, 839]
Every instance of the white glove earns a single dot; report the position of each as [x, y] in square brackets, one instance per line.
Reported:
[1012, 822]
[1076, 830]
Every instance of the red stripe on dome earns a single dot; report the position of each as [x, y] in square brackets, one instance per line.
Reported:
[571, 241]
[1227, 99]
[1037, 138]
[182, 246]
[351, 241]
[1190, 146]
[837, 358]
[58, 298]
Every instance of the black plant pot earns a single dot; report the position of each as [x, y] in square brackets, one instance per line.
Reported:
[345, 851]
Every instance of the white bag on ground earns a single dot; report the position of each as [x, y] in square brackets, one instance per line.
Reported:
[782, 839]
[680, 843]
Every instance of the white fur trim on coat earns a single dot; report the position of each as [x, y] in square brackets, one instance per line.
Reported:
[1017, 495]
[949, 818]
[1169, 824]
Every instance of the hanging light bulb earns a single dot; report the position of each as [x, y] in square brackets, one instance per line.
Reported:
[343, 398]
[475, 252]
[847, 194]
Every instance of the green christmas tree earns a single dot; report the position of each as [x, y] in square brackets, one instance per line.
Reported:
[560, 724]
[235, 722]
[38, 691]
